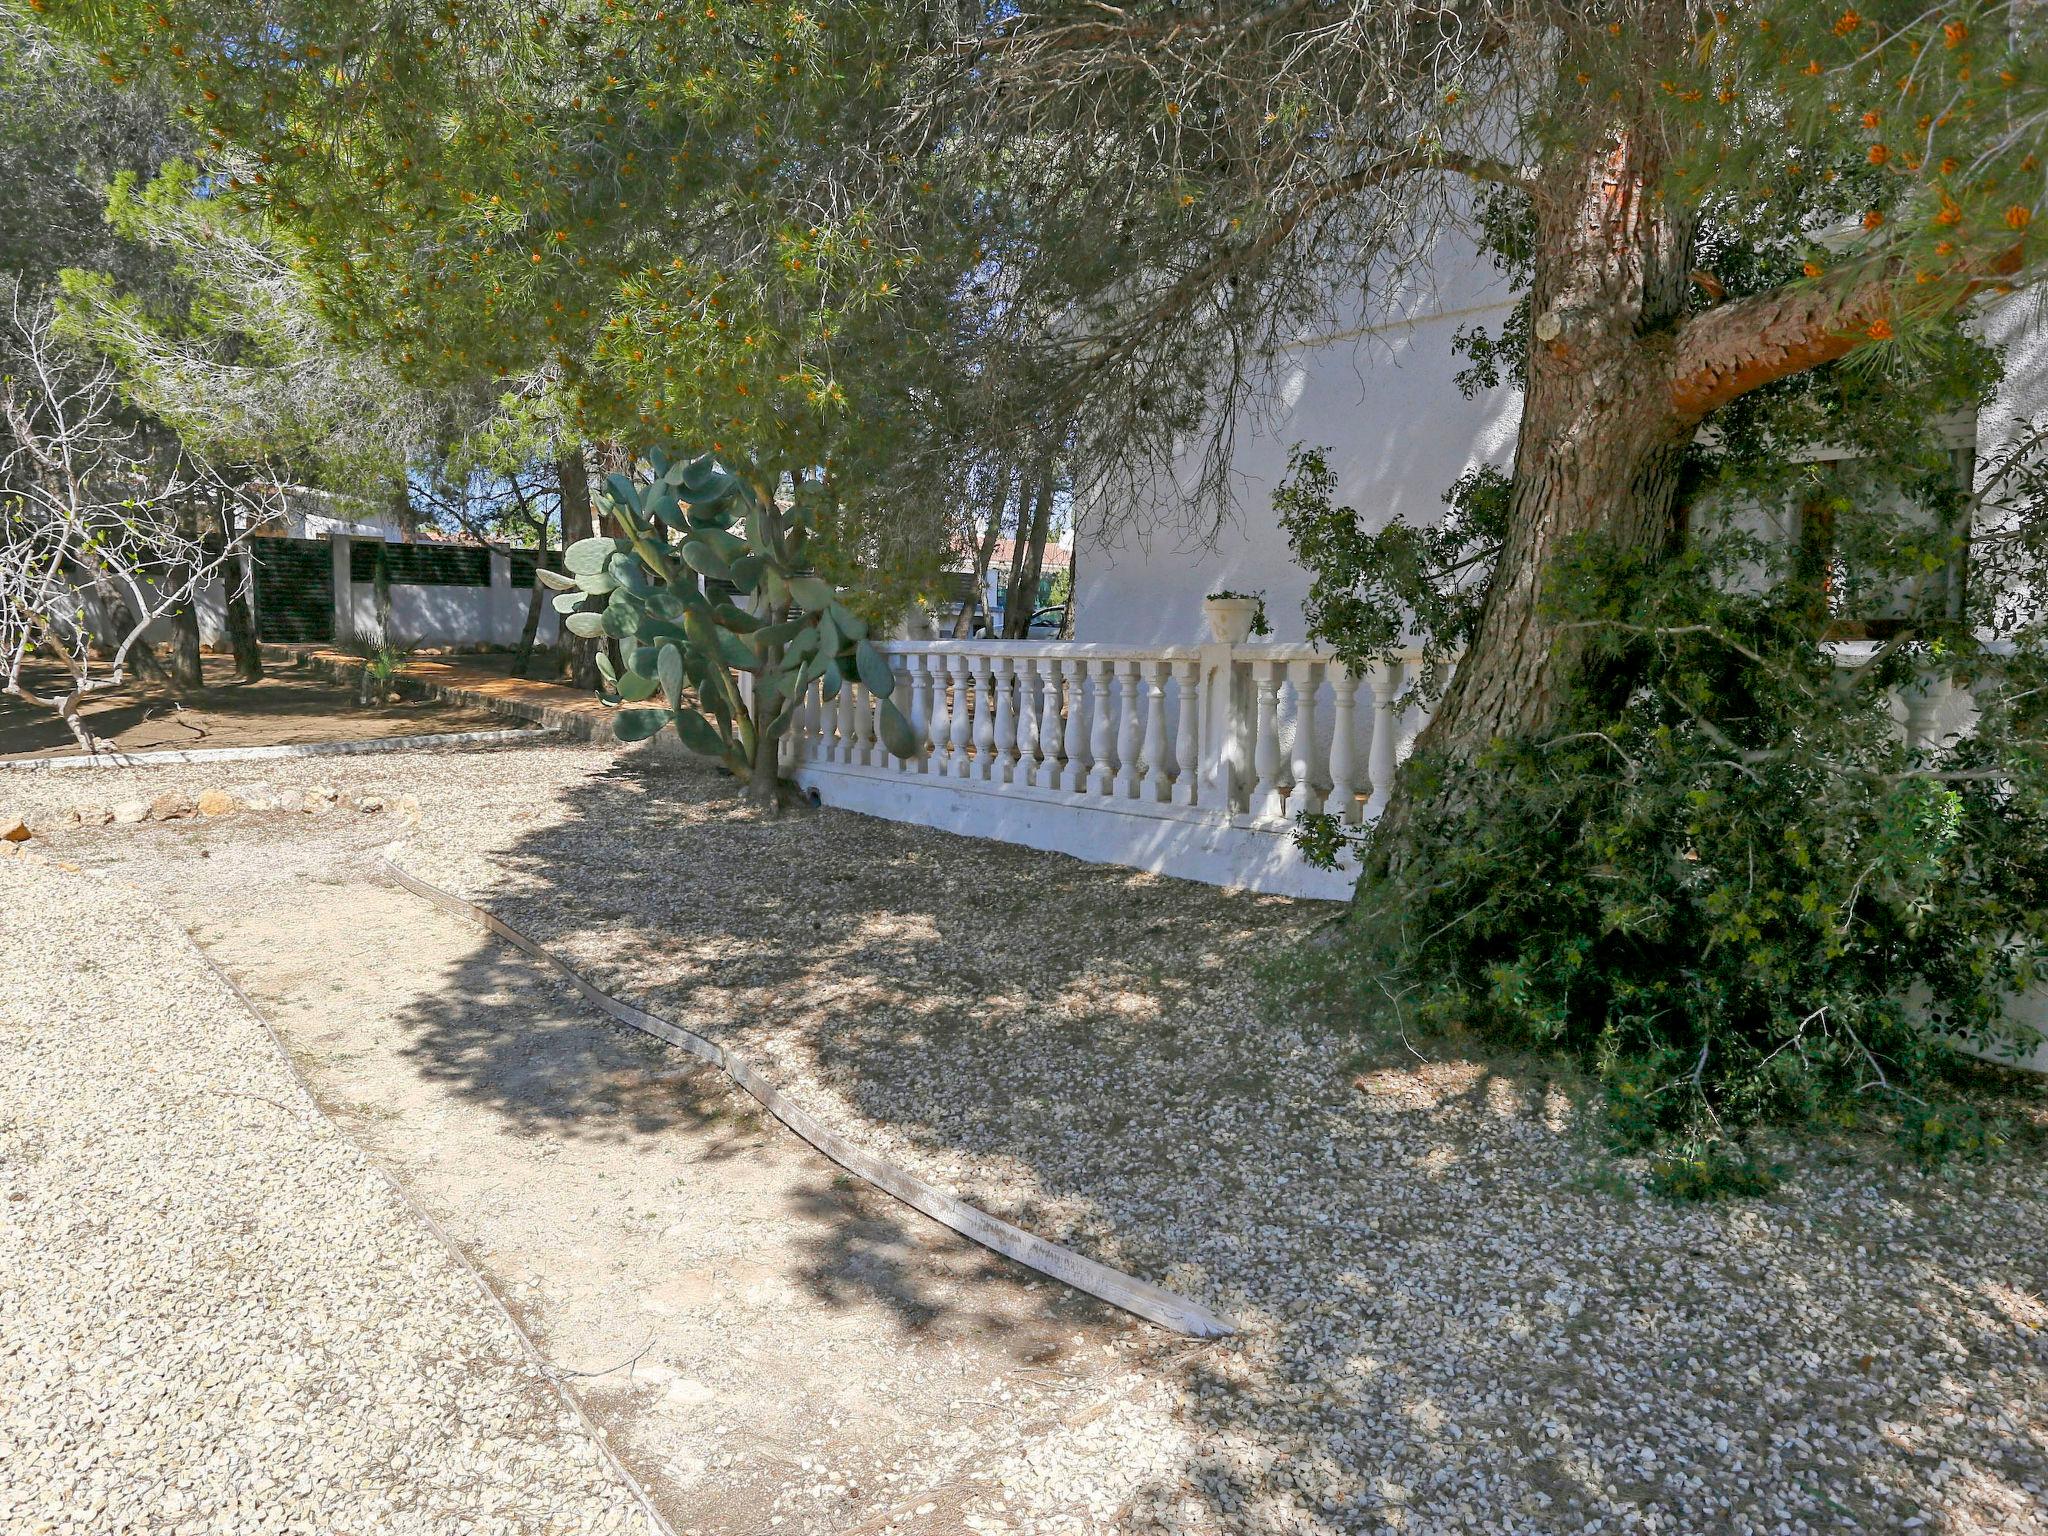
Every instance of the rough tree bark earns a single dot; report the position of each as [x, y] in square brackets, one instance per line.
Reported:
[241, 619]
[1600, 444]
[238, 595]
[1618, 383]
[572, 472]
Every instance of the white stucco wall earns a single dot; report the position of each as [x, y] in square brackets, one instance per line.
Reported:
[1384, 402]
[2015, 323]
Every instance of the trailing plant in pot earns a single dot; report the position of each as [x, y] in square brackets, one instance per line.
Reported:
[728, 677]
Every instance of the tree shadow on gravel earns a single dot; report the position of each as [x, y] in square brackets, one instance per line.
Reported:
[562, 1073]
[1455, 1317]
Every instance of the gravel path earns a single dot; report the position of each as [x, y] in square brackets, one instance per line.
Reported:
[214, 1316]
[1457, 1320]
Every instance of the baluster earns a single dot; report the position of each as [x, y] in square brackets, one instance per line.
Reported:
[848, 742]
[1301, 796]
[941, 761]
[1158, 751]
[957, 763]
[1098, 728]
[865, 704]
[1268, 804]
[900, 694]
[920, 708]
[1003, 768]
[1187, 748]
[1128, 724]
[796, 740]
[1343, 801]
[984, 718]
[1030, 683]
[1386, 687]
[1052, 745]
[1074, 773]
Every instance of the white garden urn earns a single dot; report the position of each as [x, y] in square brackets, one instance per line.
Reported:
[1231, 618]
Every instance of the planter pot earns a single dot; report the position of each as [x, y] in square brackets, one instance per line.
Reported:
[1230, 619]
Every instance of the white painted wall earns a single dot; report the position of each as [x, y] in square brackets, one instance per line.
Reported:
[1385, 403]
[2015, 323]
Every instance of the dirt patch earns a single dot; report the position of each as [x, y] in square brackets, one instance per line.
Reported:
[288, 707]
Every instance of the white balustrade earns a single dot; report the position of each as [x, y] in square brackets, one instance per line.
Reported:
[921, 708]
[1127, 725]
[1051, 726]
[1343, 801]
[1386, 688]
[984, 718]
[1187, 746]
[1301, 794]
[1099, 743]
[1004, 769]
[1076, 773]
[1246, 736]
[1159, 760]
[1268, 804]
[957, 761]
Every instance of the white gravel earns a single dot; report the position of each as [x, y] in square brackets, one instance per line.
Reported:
[1453, 1321]
[214, 1316]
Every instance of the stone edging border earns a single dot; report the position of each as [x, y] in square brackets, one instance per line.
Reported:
[352, 748]
[313, 1107]
[1153, 1303]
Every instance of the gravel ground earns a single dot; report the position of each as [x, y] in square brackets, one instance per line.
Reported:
[1453, 1322]
[214, 1316]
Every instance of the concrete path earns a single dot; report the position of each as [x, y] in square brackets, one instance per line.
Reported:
[769, 1344]
[214, 1316]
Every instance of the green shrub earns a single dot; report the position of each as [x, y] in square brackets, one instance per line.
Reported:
[1725, 885]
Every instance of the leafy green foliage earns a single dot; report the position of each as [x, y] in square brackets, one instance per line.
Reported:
[1371, 591]
[1726, 883]
[728, 677]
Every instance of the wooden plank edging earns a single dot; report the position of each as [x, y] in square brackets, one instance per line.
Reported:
[1153, 1303]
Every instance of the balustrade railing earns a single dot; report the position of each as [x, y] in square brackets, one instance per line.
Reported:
[1254, 733]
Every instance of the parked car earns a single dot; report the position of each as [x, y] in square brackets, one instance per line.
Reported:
[1046, 622]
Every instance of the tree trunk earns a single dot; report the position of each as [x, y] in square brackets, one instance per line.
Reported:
[573, 475]
[1601, 443]
[238, 595]
[187, 669]
[963, 624]
[764, 784]
[1022, 597]
[531, 631]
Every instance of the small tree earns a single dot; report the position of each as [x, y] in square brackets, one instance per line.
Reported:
[99, 543]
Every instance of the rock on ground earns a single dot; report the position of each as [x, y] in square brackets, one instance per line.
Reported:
[214, 1316]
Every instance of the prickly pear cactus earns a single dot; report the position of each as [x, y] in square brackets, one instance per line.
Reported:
[686, 649]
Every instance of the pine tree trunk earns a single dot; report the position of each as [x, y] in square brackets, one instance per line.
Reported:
[531, 630]
[238, 594]
[1600, 449]
[573, 476]
[1021, 600]
[187, 667]
[241, 619]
